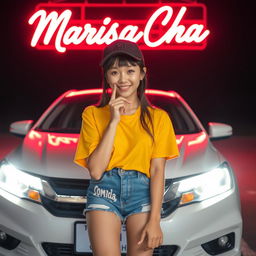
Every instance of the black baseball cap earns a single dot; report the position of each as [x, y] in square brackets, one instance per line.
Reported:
[122, 46]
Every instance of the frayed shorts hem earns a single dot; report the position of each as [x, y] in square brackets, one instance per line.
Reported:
[145, 208]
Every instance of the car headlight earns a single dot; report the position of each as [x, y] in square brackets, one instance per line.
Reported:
[20, 183]
[197, 188]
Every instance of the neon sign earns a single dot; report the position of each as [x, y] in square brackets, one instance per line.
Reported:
[153, 26]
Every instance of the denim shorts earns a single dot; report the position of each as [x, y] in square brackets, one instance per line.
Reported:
[124, 192]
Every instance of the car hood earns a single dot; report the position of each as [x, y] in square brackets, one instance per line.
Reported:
[52, 154]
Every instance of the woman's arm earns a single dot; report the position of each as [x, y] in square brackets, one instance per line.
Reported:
[153, 230]
[157, 181]
[99, 159]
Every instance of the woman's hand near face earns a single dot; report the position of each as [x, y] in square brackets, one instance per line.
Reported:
[117, 105]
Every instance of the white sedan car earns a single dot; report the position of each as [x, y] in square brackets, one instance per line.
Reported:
[43, 192]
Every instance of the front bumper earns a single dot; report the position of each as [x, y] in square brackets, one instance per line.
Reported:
[193, 225]
[187, 228]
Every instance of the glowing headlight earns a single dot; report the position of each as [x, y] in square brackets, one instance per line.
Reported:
[19, 183]
[200, 187]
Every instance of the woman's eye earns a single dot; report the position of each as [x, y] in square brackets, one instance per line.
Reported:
[113, 73]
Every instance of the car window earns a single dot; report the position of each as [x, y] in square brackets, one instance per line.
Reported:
[182, 120]
[65, 117]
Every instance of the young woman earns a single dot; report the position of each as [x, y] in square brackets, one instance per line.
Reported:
[124, 143]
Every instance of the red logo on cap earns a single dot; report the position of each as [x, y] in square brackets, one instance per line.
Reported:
[119, 46]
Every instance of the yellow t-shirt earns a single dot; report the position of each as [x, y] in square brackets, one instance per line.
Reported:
[133, 148]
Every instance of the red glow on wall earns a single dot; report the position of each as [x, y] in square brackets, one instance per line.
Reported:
[98, 91]
[84, 26]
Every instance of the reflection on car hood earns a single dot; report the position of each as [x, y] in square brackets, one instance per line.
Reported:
[52, 154]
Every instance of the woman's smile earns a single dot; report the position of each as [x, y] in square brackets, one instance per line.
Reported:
[124, 88]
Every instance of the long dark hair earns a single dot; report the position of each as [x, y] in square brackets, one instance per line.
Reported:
[124, 60]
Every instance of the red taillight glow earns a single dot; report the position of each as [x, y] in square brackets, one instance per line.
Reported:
[58, 140]
[198, 140]
[180, 139]
[168, 26]
[34, 135]
[53, 140]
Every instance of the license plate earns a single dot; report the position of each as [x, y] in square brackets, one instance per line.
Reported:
[82, 242]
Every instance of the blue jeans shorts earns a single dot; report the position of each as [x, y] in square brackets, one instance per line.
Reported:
[124, 192]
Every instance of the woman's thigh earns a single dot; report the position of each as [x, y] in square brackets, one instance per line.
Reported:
[134, 226]
[104, 229]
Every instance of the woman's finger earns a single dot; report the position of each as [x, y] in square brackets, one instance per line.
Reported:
[113, 95]
[119, 106]
[123, 99]
[143, 235]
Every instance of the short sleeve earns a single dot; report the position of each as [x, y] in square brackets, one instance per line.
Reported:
[165, 140]
[89, 137]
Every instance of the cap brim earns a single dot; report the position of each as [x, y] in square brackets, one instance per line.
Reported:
[115, 53]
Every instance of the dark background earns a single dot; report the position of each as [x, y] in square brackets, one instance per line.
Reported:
[215, 82]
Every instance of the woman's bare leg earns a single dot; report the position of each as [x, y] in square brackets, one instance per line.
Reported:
[134, 225]
[104, 232]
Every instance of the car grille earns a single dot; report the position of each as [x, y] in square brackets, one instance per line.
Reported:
[67, 210]
[54, 249]
[75, 187]
[69, 187]
[78, 187]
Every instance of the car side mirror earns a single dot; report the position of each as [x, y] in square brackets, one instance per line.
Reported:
[21, 128]
[219, 130]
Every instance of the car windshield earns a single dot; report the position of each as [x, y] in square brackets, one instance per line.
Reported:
[66, 116]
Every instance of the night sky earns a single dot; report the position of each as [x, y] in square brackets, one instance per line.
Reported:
[215, 82]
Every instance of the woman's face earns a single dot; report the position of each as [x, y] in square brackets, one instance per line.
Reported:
[127, 79]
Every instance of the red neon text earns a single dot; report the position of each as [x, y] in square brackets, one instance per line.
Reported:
[57, 30]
